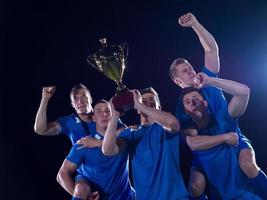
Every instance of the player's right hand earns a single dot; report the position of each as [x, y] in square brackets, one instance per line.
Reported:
[48, 91]
[231, 138]
[187, 20]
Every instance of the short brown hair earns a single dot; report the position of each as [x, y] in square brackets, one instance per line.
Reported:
[78, 87]
[152, 91]
[173, 70]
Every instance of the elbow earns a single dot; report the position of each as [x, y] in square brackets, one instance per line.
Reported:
[38, 131]
[246, 90]
[59, 176]
[190, 143]
[106, 151]
[212, 48]
[174, 125]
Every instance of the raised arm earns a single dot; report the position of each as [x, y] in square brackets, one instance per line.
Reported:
[111, 145]
[209, 44]
[167, 120]
[41, 126]
[240, 92]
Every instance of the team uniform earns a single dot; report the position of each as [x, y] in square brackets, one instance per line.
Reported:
[155, 164]
[220, 164]
[213, 96]
[108, 174]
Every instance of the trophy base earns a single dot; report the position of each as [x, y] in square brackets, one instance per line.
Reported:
[123, 101]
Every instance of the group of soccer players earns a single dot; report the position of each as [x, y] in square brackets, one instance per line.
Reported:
[104, 148]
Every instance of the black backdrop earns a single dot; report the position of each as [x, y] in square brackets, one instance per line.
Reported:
[46, 42]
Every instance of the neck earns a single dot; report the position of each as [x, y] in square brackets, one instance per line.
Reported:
[145, 121]
[85, 116]
[101, 130]
[203, 121]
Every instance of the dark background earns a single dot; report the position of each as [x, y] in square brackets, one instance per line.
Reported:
[47, 42]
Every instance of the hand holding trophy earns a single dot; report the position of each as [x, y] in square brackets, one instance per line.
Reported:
[110, 60]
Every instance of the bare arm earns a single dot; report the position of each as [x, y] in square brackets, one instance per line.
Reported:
[203, 142]
[240, 92]
[64, 176]
[167, 120]
[111, 145]
[206, 39]
[41, 126]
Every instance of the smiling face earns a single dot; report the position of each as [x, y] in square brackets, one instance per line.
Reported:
[102, 115]
[81, 101]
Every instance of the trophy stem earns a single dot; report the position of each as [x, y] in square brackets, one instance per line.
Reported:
[120, 87]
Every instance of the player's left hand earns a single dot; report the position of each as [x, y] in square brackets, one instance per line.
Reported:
[88, 142]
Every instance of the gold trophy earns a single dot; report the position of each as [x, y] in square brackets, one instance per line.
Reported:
[110, 60]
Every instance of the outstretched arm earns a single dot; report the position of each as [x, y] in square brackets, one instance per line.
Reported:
[240, 92]
[41, 126]
[209, 44]
[167, 120]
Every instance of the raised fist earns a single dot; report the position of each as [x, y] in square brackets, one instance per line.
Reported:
[187, 20]
[48, 91]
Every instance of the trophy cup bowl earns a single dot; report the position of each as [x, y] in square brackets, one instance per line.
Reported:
[110, 60]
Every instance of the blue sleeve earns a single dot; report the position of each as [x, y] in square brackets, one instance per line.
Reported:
[127, 134]
[64, 123]
[209, 73]
[213, 95]
[215, 98]
[76, 155]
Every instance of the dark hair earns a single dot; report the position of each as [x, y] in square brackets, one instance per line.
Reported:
[100, 101]
[152, 91]
[173, 70]
[186, 91]
[78, 87]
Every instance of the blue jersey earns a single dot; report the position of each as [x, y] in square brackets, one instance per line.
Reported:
[75, 129]
[154, 155]
[213, 96]
[220, 163]
[108, 174]
[72, 127]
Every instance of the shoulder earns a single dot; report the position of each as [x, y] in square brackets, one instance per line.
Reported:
[209, 73]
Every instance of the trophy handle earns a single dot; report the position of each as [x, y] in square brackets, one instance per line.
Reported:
[124, 47]
[90, 59]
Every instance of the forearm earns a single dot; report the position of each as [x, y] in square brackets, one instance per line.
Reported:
[230, 87]
[206, 39]
[167, 120]
[66, 181]
[109, 145]
[203, 142]
[40, 124]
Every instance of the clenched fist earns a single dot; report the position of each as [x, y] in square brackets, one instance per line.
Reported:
[187, 20]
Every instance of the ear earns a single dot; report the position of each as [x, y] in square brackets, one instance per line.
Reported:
[93, 118]
[178, 81]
